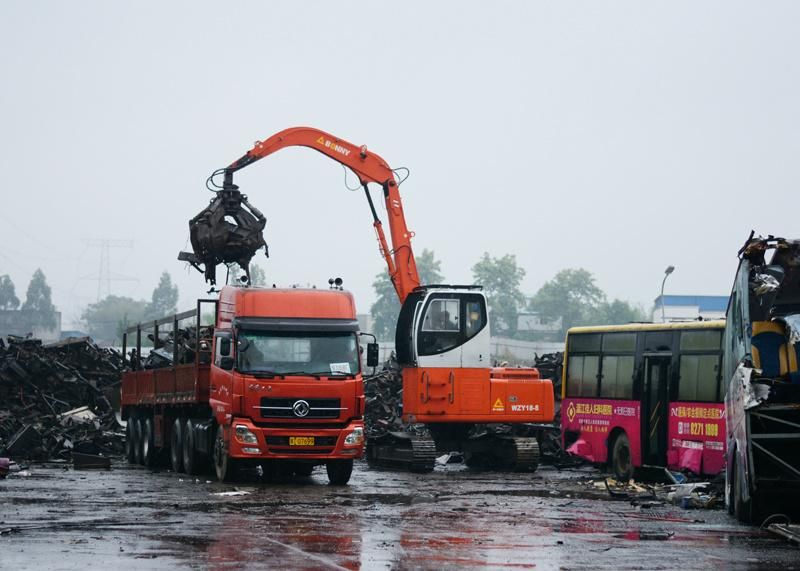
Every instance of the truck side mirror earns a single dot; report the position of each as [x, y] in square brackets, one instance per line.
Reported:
[224, 346]
[373, 357]
[226, 363]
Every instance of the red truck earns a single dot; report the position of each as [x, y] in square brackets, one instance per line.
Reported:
[276, 382]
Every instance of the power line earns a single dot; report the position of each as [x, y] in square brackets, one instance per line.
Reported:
[104, 275]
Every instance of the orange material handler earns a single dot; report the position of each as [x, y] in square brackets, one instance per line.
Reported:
[442, 337]
[276, 382]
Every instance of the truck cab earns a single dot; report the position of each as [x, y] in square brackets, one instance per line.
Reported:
[286, 381]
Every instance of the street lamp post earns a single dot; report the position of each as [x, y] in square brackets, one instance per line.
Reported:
[667, 272]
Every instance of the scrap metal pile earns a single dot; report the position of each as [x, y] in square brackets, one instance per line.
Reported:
[165, 351]
[384, 400]
[56, 399]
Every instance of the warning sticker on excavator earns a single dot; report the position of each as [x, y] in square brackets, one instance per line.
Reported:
[498, 406]
[333, 146]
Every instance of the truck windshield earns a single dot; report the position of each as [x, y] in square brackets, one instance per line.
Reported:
[279, 353]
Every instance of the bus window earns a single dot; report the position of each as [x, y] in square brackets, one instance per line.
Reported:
[584, 343]
[657, 341]
[704, 340]
[617, 380]
[699, 378]
[582, 376]
[619, 342]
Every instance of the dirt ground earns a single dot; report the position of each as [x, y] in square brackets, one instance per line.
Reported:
[454, 518]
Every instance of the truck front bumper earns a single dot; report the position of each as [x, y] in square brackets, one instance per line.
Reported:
[296, 443]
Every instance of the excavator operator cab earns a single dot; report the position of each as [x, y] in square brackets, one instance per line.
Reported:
[443, 326]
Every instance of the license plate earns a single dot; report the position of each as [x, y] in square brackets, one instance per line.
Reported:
[301, 441]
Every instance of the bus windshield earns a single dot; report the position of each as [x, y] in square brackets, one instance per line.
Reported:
[293, 353]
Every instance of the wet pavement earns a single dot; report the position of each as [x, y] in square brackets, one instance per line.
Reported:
[132, 518]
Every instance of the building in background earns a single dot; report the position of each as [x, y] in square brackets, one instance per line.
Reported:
[689, 307]
[533, 321]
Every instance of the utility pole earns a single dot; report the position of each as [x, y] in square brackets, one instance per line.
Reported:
[104, 275]
[667, 272]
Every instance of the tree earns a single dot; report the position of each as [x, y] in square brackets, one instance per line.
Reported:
[617, 312]
[109, 317]
[387, 307]
[572, 295]
[501, 279]
[165, 298]
[37, 301]
[8, 295]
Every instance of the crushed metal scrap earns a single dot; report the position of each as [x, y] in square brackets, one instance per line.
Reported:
[57, 398]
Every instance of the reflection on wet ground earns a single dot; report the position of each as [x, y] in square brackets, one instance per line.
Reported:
[456, 519]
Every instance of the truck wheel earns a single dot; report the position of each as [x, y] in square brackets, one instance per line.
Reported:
[130, 440]
[176, 446]
[148, 443]
[225, 466]
[621, 464]
[192, 461]
[137, 439]
[339, 471]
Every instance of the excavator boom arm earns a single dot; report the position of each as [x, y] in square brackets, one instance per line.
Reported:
[370, 168]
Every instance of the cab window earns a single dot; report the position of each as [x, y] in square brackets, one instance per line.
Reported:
[442, 315]
[440, 330]
[474, 318]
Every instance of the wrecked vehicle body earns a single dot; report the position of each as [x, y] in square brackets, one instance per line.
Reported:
[762, 352]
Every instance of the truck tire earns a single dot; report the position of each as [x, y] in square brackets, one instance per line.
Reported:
[192, 460]
[227, 468]
[148, 443]
[621, 464]
[137, 439]
[339, 471]
[176, 446]
[130, 441]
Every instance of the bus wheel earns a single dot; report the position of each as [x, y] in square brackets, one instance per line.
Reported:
[176, 446]
[225, 466]
[621, 463]
[339, 471]
[148, 443]
[730, 474]
[130, 440]
[742, 509]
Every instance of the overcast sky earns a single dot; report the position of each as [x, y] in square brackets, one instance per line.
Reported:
[617, 137]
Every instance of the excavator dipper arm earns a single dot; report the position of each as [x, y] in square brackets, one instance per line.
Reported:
[370, 168]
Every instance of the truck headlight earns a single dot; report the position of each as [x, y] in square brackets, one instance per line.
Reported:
[245, 435]
[355, 437]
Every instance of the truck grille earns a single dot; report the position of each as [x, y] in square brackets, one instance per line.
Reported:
[293, 408]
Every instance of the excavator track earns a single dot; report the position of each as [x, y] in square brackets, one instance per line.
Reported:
[402, 450]
[502, 452]
[526, 454]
